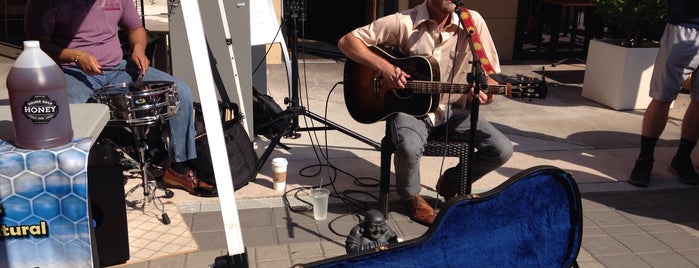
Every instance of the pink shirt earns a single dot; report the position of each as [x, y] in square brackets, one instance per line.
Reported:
[88, 25]
[414, 33]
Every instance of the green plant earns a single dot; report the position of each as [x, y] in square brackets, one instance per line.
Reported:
[633, 21]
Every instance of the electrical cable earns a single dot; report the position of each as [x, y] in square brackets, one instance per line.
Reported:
[264, 58]
[447, 114]
[355, 205]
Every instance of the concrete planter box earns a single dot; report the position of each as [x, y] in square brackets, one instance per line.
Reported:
[618, 77]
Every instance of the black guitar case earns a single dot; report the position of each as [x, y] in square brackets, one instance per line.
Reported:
[533, 219]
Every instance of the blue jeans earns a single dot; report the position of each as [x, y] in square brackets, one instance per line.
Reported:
[409, 135]
[182, 148]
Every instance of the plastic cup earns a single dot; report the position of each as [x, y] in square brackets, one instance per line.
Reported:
[320, 203]
[279, 166]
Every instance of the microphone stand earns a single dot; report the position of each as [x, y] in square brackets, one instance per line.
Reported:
[478, 78]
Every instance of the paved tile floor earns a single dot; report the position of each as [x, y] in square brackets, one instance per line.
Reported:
[623, 226]
[627, 227]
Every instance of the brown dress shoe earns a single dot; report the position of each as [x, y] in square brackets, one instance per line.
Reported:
[419, 210]
[189, 182]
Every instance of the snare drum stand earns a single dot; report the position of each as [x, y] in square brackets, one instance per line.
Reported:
[149, 186]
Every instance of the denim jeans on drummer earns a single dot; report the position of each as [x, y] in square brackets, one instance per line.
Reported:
[80, 87]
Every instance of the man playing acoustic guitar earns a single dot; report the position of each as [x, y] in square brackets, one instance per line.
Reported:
[432, 29]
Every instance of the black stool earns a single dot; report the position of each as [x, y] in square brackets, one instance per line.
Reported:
[432, 148]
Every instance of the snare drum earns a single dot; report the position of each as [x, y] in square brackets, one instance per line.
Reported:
[142, 103]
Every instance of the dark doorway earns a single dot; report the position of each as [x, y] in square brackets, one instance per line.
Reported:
[555, 29]
[322, 23]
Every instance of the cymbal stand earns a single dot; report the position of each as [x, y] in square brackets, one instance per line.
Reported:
[295, 12]
[149, 186]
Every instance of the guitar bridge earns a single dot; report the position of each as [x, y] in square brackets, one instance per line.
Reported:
[376, 85]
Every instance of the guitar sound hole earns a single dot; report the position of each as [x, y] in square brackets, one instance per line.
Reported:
[403, 93]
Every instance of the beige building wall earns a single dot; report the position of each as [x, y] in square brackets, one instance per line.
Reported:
[501, 16]
[275, 51]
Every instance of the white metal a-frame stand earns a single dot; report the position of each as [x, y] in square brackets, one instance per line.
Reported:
[237, 256]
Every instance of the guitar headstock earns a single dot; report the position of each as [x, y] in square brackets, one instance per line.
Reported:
[534, 90]
[520, 86]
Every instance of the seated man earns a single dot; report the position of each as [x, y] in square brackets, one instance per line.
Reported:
[432, 29]
[82, 37]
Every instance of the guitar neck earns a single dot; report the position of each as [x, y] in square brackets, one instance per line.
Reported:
[427, 87]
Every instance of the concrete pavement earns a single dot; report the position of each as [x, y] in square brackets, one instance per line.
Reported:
[624, 226]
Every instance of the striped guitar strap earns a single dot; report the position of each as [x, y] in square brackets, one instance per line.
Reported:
[480, 52]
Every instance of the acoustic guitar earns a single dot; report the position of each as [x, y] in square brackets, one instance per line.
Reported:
[370, 100]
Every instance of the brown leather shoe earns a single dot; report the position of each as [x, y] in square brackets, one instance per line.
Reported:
[189, 182]
[419, 210]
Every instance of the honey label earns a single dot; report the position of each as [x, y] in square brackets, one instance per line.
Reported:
[40, 109]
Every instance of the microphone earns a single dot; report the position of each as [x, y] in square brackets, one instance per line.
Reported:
[457, 3]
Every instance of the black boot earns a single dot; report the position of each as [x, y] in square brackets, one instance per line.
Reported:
[684, 170]
[640, 175]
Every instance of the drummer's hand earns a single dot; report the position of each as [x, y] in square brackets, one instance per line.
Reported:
[89, 64]
[141, 61]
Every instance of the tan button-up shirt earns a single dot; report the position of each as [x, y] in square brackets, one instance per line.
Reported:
[412, 32]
